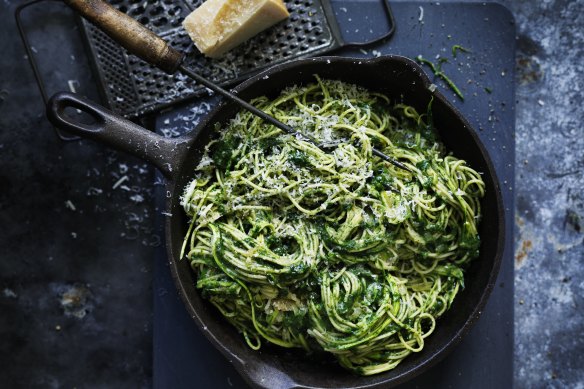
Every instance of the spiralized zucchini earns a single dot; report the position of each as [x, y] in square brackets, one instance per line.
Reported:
[334, 250]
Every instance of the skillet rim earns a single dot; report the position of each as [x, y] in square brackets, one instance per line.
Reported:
[378, 381]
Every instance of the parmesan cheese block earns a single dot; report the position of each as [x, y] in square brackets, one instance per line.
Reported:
[217, 26]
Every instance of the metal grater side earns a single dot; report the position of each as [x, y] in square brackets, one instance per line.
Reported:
[132, 88]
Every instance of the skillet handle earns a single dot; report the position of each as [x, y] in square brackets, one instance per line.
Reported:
[117, 132]
[129, 33]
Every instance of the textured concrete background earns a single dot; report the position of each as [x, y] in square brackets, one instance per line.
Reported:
[549, 267]
[72, 317]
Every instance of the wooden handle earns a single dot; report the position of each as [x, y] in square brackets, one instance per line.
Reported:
[129, 33]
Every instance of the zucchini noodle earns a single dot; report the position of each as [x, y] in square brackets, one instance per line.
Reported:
[338, 250]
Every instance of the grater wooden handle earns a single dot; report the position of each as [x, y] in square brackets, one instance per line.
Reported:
[129, 33]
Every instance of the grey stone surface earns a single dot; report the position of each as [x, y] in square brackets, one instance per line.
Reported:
[549, 267]
[75, 257]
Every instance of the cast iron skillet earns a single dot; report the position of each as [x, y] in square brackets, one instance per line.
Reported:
[399, 78]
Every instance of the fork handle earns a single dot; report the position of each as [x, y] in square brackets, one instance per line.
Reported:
[129, 33]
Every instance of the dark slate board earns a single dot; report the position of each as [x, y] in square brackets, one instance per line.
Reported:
[183, 358]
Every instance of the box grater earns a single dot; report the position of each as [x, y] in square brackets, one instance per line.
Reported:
[132, 87]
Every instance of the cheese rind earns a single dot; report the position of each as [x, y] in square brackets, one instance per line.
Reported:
[217, 26]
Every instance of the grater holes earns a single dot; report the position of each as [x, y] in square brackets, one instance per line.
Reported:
[137, 11]
[134, 87]
[157, 15]
[195, 3]
[155, 11]
[159, 22]
[174, 11]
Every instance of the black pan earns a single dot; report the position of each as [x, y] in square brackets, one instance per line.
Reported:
[399, 78]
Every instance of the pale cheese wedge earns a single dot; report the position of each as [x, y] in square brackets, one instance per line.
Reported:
[217, 26]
